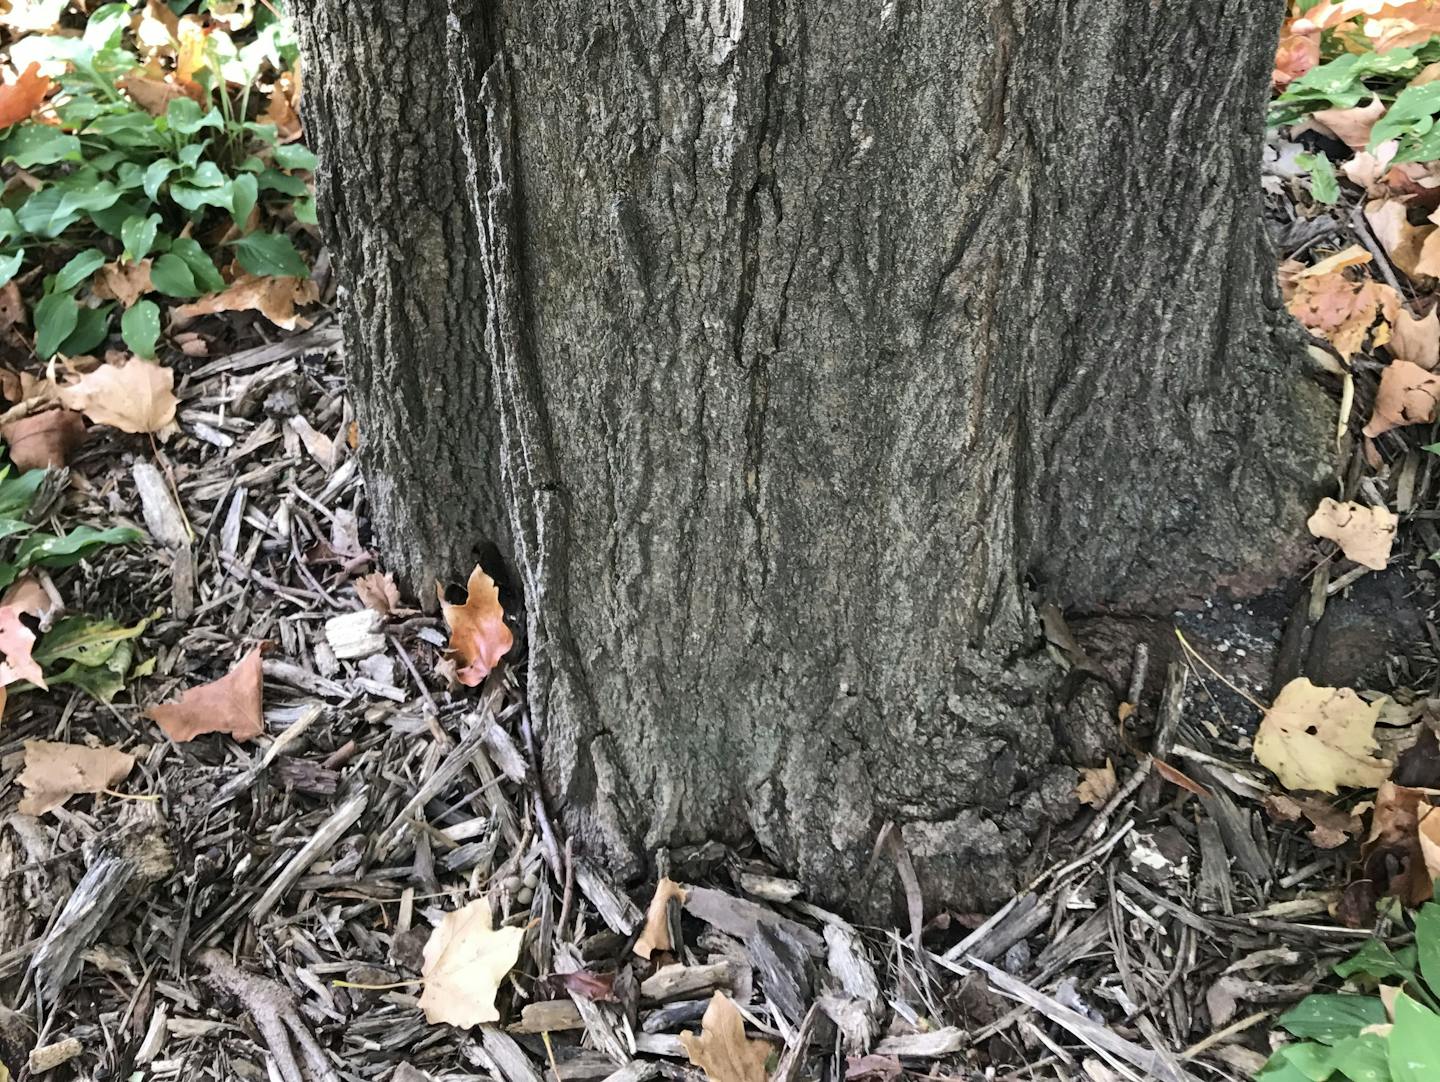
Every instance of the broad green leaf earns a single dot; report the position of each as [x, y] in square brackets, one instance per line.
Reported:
[1411, 113]
[11, 526]
[83, 639]
[273, 180]
[206, 277]
[295, 156]
[171, 274]
[305, 211]
[55, 317]
[193, 198]
[244, 191]
[156, 173]
[185, 117]
[17, 492]
[101, 682]
[1330, 1018]
[91, 327]
[9, 226]
[1324, 185]
[140, 327]
[105, 26]
[1414, 1042]
[264, 132]
[79, 268]
[49, 211]
[47, 550]
[31, 144]
[1278, 1067]
[1361, 1059]
[190, 153]
[10, 265]
[138, 235]
[270, 253]
[112, 219]
[1377, 961]
[206, 175]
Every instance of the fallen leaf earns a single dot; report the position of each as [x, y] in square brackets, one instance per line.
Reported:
[479, 636]
[656, 934]
[56, 772]
[228, 705]
[16, 642]
[873, 1068]
[281, 110]
[596, 987]
[29, 595]
[12, 306]
[1352, 126]
[1097, 785]
[1407, 396]
[22, 97]
[722, 1050]
[1178, 778]
[274, 298]
[1320, 738]
[134, 397]
[1296, 54]
[1387, 24]
[1340, 309]
[465, 961]
[1392, 853]
[1417, 340]
[1364, 534]
[1389, 220]
[1366, 169]
[378, 591]
[190, 52]
[1331, 827]
[1353, 256]
[43, 439]
[154, 95]
[123, 282]
[1428, 833]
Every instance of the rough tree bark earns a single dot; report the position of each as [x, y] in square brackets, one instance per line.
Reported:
[820, 331]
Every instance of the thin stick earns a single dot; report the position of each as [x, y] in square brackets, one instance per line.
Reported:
[1216, 673]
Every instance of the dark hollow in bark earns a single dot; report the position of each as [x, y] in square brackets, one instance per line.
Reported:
[817, 329]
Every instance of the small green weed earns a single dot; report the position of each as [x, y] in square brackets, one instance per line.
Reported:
[1352, 1036]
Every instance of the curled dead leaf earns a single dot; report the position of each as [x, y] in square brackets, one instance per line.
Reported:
[231, 705]
[56, 772]
[479, 636]
[16, 642]
[1338, 308]
[43, 439]
[1352, 126]
[466, 958]
[1417, 340]
[656, 934]
[1389, 219]
[378, 591]
[1330, 826]
[274, 298]
[154, 94]
[1097, 785]
[1296, 54]
[722, 1050]
[1392, 854]
[1407, 396]
[1320, 738]
[123, 282]
[1364, 534]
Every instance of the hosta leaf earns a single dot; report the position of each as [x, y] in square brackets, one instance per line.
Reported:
[91, 327]
[47, 550]
[140, 327]
[79, 268]
[55, 317]
[270, 254]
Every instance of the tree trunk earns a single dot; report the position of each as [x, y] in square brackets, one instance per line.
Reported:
[819, 331]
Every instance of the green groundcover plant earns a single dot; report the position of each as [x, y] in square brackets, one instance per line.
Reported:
[108, 180]
[1351, 1035]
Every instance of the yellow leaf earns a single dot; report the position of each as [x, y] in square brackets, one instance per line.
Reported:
[465, 961]
[1097, 785]
[1320, 738]
[722, 1050]
[1365, 534]
[134, 397]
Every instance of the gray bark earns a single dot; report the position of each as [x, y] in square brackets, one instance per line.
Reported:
[379, 107]
[819, 330]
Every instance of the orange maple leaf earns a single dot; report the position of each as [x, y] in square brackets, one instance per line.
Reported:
[22, 97]
[479, 637]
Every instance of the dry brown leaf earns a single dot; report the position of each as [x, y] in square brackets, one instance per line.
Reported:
[43, 439]
[231, 705]
[1296, 54]
[154, 95]
[1353, 256]
[1364, 534]
[30, 596]
[134, 397]
[1387, 24]
[1407, 396]
[1427, 832]
[1340, 309]
[1352, 126]
[22, 97]
[1097, 785]
[1429, 261]
[123, 282]
[1367, 169]
[656, 934]
[1392, 854]
[1320, 738]
[1330, 827]
[16, 642]
[465, 961]
[722, 1050]
[378, 591]
[282, 110]
[1390, 221]
[479, 636]
[1417, 340]
[12, 306]
[274, 298]
[56, 772]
